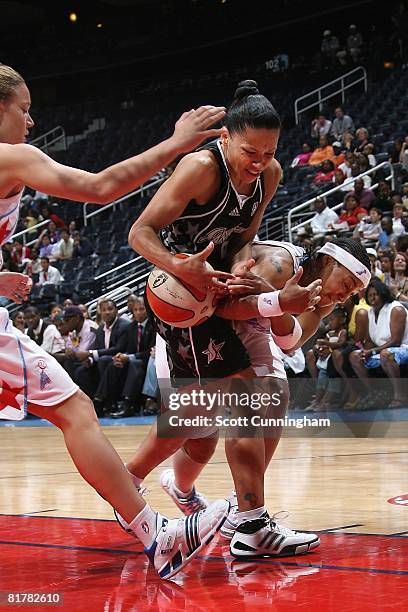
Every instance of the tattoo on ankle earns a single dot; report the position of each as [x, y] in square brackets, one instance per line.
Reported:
[250, 497]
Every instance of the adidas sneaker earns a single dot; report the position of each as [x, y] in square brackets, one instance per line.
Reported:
[178, 541]
[122, 523]
[264, 537]
[193, 503]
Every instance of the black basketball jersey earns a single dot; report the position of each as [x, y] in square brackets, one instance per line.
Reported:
[226, 214]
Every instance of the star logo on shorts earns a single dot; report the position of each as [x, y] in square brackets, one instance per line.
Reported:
[213, 351]
[8, 396]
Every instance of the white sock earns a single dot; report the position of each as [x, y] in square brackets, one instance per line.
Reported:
[136, 480]
[181, 493]
[144, 525]
[249, 515]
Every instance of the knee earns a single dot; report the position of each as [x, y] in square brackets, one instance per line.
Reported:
[201, 450]
[78, 411]
[386, 357]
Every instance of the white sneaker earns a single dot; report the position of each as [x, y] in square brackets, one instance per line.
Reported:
[193, 503]
[264, 537]
[178, 541]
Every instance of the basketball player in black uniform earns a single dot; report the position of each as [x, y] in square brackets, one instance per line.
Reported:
[211, 207]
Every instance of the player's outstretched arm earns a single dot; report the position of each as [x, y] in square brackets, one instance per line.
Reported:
[28, 166]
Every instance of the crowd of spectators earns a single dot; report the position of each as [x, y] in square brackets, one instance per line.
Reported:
[112, 359]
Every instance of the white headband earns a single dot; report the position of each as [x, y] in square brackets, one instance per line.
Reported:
[347, 260]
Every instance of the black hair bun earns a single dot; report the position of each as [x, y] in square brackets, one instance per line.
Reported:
[246, 88]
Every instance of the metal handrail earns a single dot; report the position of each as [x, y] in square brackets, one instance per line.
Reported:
[48, 142]
[341, 90]
[153, 182]
[296, 209]
[29, 230]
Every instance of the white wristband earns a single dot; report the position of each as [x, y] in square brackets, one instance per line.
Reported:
[290, 340]
[268, 305]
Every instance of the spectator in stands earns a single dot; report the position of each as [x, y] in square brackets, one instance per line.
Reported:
[395, 153]
[369, 152]
[46, 248]
[81, 246]
[53, 342]
[383, 200]
[352, 212]
[339, 156]
[32, 218]
[84, 309]
[386, 239]
[64, 248]
[79, 336]
[150, 391]
[404, 154]
[376, 271]
[354, 44]
[52, 232]
[325, 174]
[362, 139]
[130, 302]
[18, 320]
[323, 219]
[320, 126]
[399, 283]
[404, 196]
[341, 123]
[329, 48]
[386, 259]
[47, 214]
[363, 166]
[67, 302]
[302, 159]
[345, 167]
[125, 375]
[33, 266]
[36, 326]
[49, 275]
[397, 213]
[369, 228]
[110, 339]
[72, 228]
[348, 142]
[318, 357]
[322, 152]
[365, 197]
[386, 344]
[55, 311]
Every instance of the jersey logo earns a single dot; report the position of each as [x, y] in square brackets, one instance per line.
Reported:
[213, 351]
[159, 280]
[221, 234]
[235, 212]
[44, 378]
[254, 208]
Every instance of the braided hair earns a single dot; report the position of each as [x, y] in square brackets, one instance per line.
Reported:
[312, 260]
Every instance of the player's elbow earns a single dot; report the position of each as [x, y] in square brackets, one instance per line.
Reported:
[134, 236]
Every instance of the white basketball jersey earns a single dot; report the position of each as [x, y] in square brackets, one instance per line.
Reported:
[255, 334]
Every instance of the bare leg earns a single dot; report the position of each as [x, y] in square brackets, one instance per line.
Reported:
[94, 456]
[311, 363]
[190, 460]
[358, 366]
[392, 369]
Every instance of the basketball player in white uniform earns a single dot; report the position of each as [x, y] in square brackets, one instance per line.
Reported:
[30, 379]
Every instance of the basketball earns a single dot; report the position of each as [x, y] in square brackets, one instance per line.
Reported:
[177, 303]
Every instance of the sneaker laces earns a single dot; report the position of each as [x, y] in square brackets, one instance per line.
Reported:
[277, 527]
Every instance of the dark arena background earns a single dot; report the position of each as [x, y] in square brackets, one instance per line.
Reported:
[108, 79]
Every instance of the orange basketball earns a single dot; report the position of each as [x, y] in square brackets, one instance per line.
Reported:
[177, 303]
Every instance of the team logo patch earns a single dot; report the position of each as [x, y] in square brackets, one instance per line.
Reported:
[44, 378]
[160, 280]
[213, 351]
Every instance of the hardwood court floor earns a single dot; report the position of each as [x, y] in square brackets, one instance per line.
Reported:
[339, 487]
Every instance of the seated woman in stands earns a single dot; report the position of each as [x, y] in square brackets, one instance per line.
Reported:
[352, 213]
[385, 345]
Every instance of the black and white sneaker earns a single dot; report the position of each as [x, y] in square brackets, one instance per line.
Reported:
[264, 537]
[193, 503]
